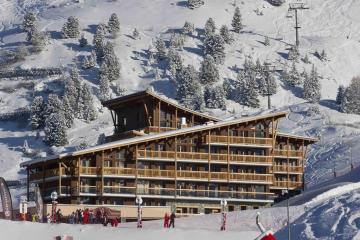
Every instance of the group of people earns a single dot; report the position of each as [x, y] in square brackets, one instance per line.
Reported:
[169, 220]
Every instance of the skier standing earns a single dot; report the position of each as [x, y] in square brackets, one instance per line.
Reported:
[172, 220]
[166, 220]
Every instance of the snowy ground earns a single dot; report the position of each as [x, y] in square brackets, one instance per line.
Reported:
[332, 25]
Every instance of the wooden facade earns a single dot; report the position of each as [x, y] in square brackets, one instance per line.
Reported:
[191, 169]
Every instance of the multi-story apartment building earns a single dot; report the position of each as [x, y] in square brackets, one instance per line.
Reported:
[173, 156]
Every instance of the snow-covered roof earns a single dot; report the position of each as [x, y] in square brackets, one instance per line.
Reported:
[150, 137]
[310, 139]
[149, 92]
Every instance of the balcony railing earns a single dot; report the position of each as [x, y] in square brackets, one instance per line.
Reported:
[239, 140]
[287, 184]
[193, 174]
[119, 171]
[119, 190]
[290, 153]
[90, 171]
[286, 169]
[244, 159]
[156, 173]
[156, 129]
[90, 189]
[251, 177]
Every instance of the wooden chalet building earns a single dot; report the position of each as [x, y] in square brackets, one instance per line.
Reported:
[173, 156]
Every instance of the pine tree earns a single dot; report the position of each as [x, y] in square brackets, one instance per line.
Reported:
[104, 85]
[195, 3]
[267, 41]
[312, 87]
[237, 21]
[293, 77]
[37, 108]
[160, 49]
[68, 111]
[22, 52]
[215, 46]
[188, 28]
[38, 40]
[187, 83]
[226, 35]
[219, 98]
[340, 95]
[71, 28]
[99, 41]
[306, 59]
[72, 90]
[209, 73]
[267, 84]
[208, 97]
[175, 63]
[351, 100]
[135, 34]
[83, 41]
[55, 130]
[177, 41]
[210, 27]
[112, 62]
[53, 105]
[29, 23]
[89, 112]
[246, 88]
[114, 25]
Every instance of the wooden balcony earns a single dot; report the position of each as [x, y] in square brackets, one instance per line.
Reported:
[155, 173]
[90, 171]
[287, 184]
[214, 157]
[156, 129]
[288, 169]
[286, 153]
[200, 175]
[119, 171]
[224, 140]
[251, 177]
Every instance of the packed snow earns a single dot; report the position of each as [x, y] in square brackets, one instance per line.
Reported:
[332, 25]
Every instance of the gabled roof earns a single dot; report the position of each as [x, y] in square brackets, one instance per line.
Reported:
[309, 139]
[150, 137]
[112, 103]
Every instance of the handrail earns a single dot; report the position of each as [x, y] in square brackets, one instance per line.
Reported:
[290, 184]
[238, 140]
[290, 153]
[286, 168]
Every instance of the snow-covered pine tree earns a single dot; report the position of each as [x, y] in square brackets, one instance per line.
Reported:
[136, 34]
[53, 105]
[99, 41]
[175, 63]
[340, 95]
[267, 84]
[210, 28]
[351, 100]
[151, 59]
[293, 54]
[72, 90]
[29, 22]
[89, 112]
[293, 77]
[55, 130]
[112, 62]
[160, 49]
[246, 88]
[267, 41]
[226, 34]
[104, 85]
[37, 108]
[215, 46]
[188, 29]
[187, 83]
[312, 87]
[22, 52]
[68, 111]
[323, 56]
[198, 98]
[306, 59]
[208, 97]
[38, 40]
[114, 25]
[209, 73]
[177, 41]
[237, 21]
[219, 97]
[258, 68]
[83, 41]
[195, 3]
[71, 28]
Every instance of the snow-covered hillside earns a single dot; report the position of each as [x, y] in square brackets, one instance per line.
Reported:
[332, 25]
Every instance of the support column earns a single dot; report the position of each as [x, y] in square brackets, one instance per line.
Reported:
[79, 173]
[288, 163]
[102, 176]
[59, 177]
[175, 144]
[209, 156]
[136, 169]
[27, 183]
[159, 114]
[228, 153]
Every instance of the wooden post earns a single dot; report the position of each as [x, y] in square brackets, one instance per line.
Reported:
[136, 169]
[102, 176]
[175, 144]
[79, 174]
[288, 163]
[209, 156]
[43, 182]
[228, 153]
[59, 177]
[159, 114]
[28, 183]
[176, 118]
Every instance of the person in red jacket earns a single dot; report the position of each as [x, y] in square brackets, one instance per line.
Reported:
[166, 220]
[86, 216]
